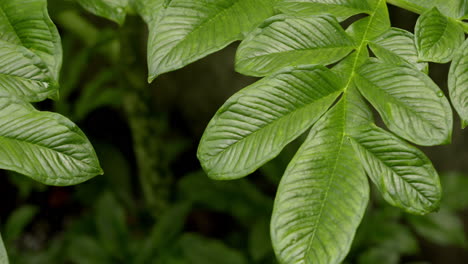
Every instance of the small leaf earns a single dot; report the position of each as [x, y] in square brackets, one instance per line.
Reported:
[255, 124]
[437, 37]
[290, 41]
[397, 46]
[190, 30]
[44, 146]
[23, 74]
[338, 8]
[26, 23]
[114, 10]
[402, 173]
[458, 82]
[409, 102]
[3, 253]
[323, 194]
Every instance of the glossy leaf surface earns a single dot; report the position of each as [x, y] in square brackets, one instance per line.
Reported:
[458, 82]
[255, 124]
[290, 41]
[192, 29]
[338, 8]
[44, 146]
[437, 37]
[409, 102]
[451, 8]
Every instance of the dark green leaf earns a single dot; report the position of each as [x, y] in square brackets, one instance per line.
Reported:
[379, 255]
[458, 82]
[18, 221]
[114, 10]
[259, 240]
[290, 41]
[254, 125]
[454, 188]
[410, 103]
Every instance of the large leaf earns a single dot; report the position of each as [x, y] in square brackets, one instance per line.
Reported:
[192, 29]
[27, 23]
[150, 9]
[458, 83]
[371, 26]
[402, 173]
[45, 146]
[323, 194]
[397, 46]
[23, 74]
[3, 253]
[410, 103]
[437, 37]
[452, 8]
[338, 8]
[288, 41]
[114, 10]
[254, 125]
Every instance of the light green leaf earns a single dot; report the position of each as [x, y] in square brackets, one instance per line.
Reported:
[371, 26]
[18, 221]
[444, 228]
[409, 102]
[290, 41]
[451, 8]
[150, 10]
[44, 146]
[402, 173]
[397, 46]
[3, 253]
[254, 125]
[192, 29]
[26, 23]
[114, 10]
[323, 194]
[338, 8]
[23, 74]
[437, 37]
[458, 82]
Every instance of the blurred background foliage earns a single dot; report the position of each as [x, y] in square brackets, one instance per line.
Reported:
[154, 204]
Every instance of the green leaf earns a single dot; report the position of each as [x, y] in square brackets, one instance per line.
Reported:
[409, 102]
[18, 221]
[150, 10]
[379, 255]
[190, 30]
[437, 37]
[290, 41]
[338, 8]
[114, 10]
[402, 173]
[85, 249]
[443, 228]
[26, 23]
[458, 82]
[259, 240]
[3, 253]
[454, 189]
[323, 194]
[200, 250]
[451, 8]
[372, 26]
[254, 125]
[23, 74]
[397, 46]
[44, 146]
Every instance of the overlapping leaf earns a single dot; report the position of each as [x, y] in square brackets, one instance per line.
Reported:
[44, 146]
[323, 194]
[458, 82]
[372, 26]
[338, 8]
[255, 124]
[410, 103]
[402, 173]
[192, 29]
[397, 46]
[26, 23]
[451, 8]
[150, 9]
[437, 37]
[114, 10]
[288, 41]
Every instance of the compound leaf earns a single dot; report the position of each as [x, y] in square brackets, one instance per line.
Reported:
[44, 146]
[338, 8]
[458, 82]
[192, 29]
[397, 46]
[23, 74]
[322, 196]
[437, 37]
[289, 41]
[409, 102]
[26, 23]
[255, 124]
[402, 173]
[114, 10]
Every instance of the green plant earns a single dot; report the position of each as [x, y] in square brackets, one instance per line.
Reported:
[317, 75]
